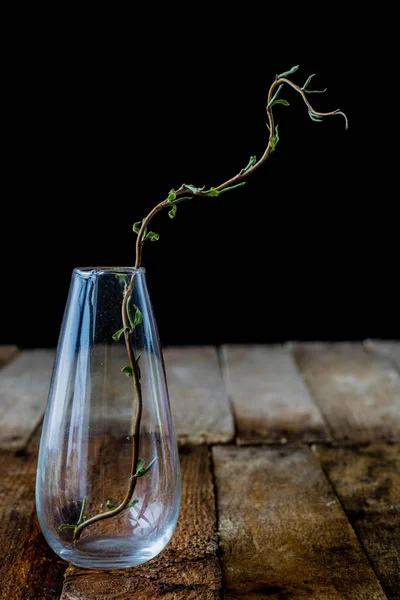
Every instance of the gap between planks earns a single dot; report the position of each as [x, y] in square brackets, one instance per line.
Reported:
[366, 480]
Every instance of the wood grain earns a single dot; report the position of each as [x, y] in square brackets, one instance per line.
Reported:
[358, 392]
[269, 398]
[29, 570]
[197, 393]
[367, 481]
[199, 403]
[7, 352]
[24, 386]
[388, 348]
[187, 569]
[283, 533]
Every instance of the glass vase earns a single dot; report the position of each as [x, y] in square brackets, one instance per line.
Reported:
[88, 466]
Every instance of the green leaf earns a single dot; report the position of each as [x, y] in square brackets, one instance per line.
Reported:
[285, 73]
[81, 519]
[65, 526]
[127, 370]
[153, 237]
[274, 97]
[118, 333]
[124, 278]
[212, 192]
[251, 163]
[232, 187]
[138, 318]
[308, 81]
[171, 196]
[316, 91]
[193, 189]
[128, 310]
[140, 465]
[136, 226]
[172, 212]
[137, 365]
[313, 117]
[81, 515]
[111, 506]
[279, 101]
[274, 140]
[141, 469]
[305, 86]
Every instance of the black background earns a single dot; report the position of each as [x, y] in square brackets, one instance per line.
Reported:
[103, 121]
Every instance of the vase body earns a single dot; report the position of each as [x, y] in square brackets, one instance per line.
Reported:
[85, 457]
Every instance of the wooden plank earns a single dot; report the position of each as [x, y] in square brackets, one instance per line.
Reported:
[388, 348]
[24, 386]
[283, 533]
[199, 403]
[201, 409]
[6, 353]
[367, 481]
[269, 398]
[28, 567]
[358, 392]
[187, 569]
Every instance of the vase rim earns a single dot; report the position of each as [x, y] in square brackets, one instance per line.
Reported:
[88, 271]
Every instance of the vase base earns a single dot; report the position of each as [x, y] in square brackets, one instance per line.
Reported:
[113, 553]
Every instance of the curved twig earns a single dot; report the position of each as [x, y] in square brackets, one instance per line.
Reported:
[243, 173]
[137, 392]
[141, 238]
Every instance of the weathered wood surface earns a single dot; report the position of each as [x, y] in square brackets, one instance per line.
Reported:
[187, 569]
[388, 348]
[283, 533]
[24, 385]
[357, 391]
[7, 353]
[199, 403]
[29, 570]
[198, 398]
[367, 481]
[269, 398]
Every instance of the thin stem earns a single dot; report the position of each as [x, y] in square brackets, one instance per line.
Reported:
[137, 393]
[310, 108]
[140, 241]
[243, 173]
[82, 513]
[141, 238]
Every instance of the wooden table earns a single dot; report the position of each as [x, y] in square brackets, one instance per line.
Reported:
[291, 478]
